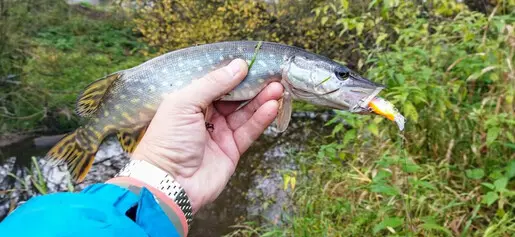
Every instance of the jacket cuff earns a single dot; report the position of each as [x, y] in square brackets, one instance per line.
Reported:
[169, 207]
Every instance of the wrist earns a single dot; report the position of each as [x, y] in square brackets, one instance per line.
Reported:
[161, 158]
[180, 173]
[158, 181]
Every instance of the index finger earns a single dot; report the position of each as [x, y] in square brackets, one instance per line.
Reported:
[214, 85]
[272, 91]
[247, 133]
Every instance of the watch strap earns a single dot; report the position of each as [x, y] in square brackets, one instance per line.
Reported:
[160, 180]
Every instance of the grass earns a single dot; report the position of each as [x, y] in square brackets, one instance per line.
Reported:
[391, 195]
[65, 56]
[37, 181]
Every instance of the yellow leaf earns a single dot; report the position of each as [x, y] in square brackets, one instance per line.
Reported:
[381, 37]
[289, 181]
[359, 28]
[293, 181]
[324, 20]
[286, 181]
[345, 4]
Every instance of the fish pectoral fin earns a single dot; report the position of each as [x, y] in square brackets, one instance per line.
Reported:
[91, 97]
[242, 104]
[129, 139]
[285, 109]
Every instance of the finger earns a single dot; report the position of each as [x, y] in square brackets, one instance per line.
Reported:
[222, 136]
[254, 127]
[273, 91]
[214, 85]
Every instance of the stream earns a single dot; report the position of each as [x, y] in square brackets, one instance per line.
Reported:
[254, 193]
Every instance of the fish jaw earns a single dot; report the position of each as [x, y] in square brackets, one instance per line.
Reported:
[362, 105]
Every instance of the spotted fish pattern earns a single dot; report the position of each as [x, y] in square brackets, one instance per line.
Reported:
[123, 103]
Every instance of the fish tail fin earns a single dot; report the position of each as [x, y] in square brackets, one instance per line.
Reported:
[77, 150]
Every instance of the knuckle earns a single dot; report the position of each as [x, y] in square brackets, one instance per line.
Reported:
[211, 78]
[218, 76]
[257, 126]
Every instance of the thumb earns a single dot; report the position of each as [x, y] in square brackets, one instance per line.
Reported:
[214, 85]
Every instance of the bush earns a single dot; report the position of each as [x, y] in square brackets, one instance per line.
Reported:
[173, 24]
[450, 72]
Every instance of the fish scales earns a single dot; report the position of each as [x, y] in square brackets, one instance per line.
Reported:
[175, 70]
[124, 102]
[145, 85]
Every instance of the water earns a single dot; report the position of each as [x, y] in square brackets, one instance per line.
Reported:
[92, 2]
[255, 192]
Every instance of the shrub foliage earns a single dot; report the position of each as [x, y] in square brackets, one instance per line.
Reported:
[448, 69]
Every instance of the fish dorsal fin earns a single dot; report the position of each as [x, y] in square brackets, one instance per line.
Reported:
[92, 96]
[284, 115]
[129, 139]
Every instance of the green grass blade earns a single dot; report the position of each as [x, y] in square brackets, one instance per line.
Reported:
[258, 47]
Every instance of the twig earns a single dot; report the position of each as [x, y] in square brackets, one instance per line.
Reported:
[448, 153]
[448, 157]
[488, 24]
[363, 176]
[455, 193]
[244, 227]
[498, 105]
[461, 59]
[21, 117]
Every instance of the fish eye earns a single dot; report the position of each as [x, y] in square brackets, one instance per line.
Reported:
[342, 75]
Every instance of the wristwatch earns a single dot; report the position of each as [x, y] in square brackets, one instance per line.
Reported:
[161, 180]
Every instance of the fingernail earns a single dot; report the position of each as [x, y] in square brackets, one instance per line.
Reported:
[234, 67]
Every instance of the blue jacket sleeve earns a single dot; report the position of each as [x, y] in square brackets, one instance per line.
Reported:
[99, 210]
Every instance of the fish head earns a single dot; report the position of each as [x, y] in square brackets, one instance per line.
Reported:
[323, 82]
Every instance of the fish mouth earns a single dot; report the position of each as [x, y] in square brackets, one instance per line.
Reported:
[308, 94]
[362, 105]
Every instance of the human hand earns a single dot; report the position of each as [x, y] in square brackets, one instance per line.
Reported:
[178, 142]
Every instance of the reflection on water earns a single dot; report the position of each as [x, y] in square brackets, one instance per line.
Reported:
[255, 192]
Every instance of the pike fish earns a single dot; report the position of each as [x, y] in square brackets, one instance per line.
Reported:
[124, 102]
